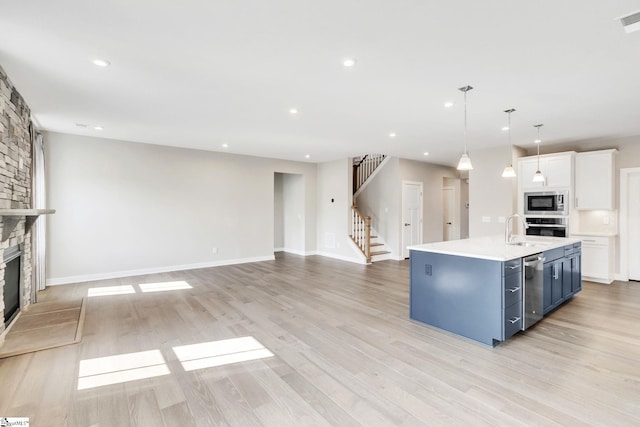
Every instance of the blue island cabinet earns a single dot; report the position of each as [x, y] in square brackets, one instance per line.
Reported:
[562, 275]
[476, 298]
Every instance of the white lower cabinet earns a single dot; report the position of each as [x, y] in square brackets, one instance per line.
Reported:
[597, 258]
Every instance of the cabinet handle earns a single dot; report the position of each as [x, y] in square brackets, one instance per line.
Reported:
[555, 271]
[588, 240]
[516, 289]
[513, 267]
[514, 320]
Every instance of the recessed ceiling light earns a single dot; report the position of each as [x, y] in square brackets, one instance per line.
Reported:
[225, 145]
[537, 141]
[426, 153]
[392, 135]
[98, 127]
[101, 63]
[293, 111]
[306, 156]
[448, 104]
[349, 62]
[505, 128]
[81, 125]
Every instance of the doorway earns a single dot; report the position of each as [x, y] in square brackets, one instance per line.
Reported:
[451, 215]
[288, 213]
[411, 215]
[629, 223]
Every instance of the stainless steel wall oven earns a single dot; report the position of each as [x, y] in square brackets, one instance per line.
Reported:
[547, 226]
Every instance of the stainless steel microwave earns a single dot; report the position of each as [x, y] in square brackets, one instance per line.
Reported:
[546, 203]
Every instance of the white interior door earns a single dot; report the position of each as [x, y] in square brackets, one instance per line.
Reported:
[451, 223]
[633, 225]
[411, 215]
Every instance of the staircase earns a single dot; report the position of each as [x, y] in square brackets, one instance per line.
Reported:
[371, 245]
[364, 167]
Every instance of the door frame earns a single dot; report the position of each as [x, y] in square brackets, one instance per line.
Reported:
[625, 173]
[455, 209]
[420, 214]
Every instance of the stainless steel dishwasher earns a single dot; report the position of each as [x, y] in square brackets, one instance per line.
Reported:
[533, 287]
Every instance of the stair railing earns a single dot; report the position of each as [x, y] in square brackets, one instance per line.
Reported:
[363, 167]
[361, 232]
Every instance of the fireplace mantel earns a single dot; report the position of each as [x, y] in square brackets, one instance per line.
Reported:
[11, 217]
[26, 212]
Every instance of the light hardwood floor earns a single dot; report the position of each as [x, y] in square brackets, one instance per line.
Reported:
[344, 354]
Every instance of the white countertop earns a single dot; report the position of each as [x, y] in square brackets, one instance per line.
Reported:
[494, 247]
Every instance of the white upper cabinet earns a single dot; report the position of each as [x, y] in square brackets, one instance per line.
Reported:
[556, 168]
[595, 180]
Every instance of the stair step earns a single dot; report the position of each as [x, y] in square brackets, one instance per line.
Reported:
[377, 244]
[371, 237]
[374, 253]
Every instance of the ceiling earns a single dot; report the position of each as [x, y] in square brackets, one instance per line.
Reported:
[200, 74]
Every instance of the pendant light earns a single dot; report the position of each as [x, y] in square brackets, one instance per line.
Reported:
[465, 162]
[508, 171]
[538, 177]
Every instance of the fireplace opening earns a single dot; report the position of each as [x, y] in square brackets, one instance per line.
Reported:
[11, 283]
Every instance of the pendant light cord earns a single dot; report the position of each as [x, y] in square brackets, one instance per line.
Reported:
[465, 122]
[511, 110]
[538, 144]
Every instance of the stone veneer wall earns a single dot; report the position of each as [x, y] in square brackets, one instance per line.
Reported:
[15, 180]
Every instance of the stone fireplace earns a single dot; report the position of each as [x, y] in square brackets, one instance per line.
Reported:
[15, 193]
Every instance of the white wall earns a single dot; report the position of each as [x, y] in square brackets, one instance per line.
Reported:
[125, 208]
[432, 177]
[334, 210]
[464, 208]
[490, 196]
[278, 212]
[381, 199]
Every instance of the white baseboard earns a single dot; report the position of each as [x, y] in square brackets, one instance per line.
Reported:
[342, 257]
[117, 274]
[597, 280]
[294, 251]
[620, 277]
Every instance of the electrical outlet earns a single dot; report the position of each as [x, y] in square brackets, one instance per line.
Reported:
[214, 250]
[605, 220]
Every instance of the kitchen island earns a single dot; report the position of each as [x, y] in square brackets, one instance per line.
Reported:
[477, 288]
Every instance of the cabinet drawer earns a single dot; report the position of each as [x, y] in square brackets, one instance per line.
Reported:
[512, 319]
[553, 254]
[512, 266]
[512, 289]
[594, 240]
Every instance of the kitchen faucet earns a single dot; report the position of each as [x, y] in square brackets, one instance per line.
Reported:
[507, 226]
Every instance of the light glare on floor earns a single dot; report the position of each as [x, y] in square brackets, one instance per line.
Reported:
[121, 368]
[111, 290]
[218, 353]
[164, 286]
